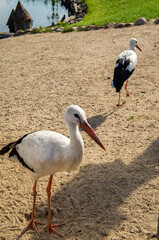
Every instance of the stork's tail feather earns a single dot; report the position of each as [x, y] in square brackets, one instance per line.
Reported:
[7, 148]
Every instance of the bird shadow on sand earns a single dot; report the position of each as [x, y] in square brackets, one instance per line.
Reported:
[97, 120]
[89, 204]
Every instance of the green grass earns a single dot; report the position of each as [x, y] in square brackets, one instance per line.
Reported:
[101, 12]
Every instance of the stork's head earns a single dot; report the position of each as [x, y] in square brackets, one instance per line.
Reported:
[74, 114]
[133, 44]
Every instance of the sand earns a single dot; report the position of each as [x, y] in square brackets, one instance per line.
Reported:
[113, 195]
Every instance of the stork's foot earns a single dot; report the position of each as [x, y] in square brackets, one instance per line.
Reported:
[127, 94]
[119, 104]
[51, 228]
[32, 224]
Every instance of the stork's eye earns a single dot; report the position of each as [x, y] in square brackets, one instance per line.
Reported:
[77, 116]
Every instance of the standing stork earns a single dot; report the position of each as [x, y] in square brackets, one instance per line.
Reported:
[125, 65]
[47, 152]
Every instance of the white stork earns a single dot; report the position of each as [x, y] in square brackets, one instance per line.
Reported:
[125, 65]
[47, 152]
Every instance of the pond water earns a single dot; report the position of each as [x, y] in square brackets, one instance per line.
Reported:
[43, 12]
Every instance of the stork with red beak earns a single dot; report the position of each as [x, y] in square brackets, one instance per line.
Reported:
[47, 152]
[125, 65]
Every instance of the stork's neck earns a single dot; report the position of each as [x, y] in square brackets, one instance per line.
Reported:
[76, 141]
[76, 147]
[133, 48]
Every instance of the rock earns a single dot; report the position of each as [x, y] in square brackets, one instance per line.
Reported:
[128, 24]
[28, 31]
[98, 27]
[27, 216]
[152, 21]
[75, 28]
[69, 19]
[76, 7]
[140, 21]
[157, 21]
[6, 35]
[90, 27]
[120, 25]
[18, 33]
[60, 29]
[104, 232]
[82, 28]
[78, 19]
[53, 28]
[111, 24]
[36, 29]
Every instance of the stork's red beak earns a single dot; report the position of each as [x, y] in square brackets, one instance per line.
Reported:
[138, 48]
[87, 128]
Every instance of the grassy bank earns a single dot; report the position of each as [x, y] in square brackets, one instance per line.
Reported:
[101, 12]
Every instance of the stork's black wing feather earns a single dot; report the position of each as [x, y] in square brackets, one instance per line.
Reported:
[121, 73]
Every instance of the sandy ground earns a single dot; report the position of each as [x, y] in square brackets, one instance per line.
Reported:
[113, 195]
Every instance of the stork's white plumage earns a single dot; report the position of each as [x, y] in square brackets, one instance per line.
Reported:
[125, 65]
[47, 152]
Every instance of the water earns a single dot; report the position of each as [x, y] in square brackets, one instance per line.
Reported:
[43, 12]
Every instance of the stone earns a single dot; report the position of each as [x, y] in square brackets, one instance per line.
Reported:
[90, 27]
[104, 232]
[82, 28]
[35, 28]
[53, 28]
[6, 35]
[76, 7]
[157, 21]
[140, 21]
[18, 33]
[75, 28]
[152, 21]
[78, 19]
[120, 25]
[60, 29]
[128, 24]
[98, 27]
[28, 31]
[69, 19]
[110, 25]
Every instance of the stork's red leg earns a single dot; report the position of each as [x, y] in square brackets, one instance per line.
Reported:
[119, 104]
[127, 93]
[32, 223]
[49, 226]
